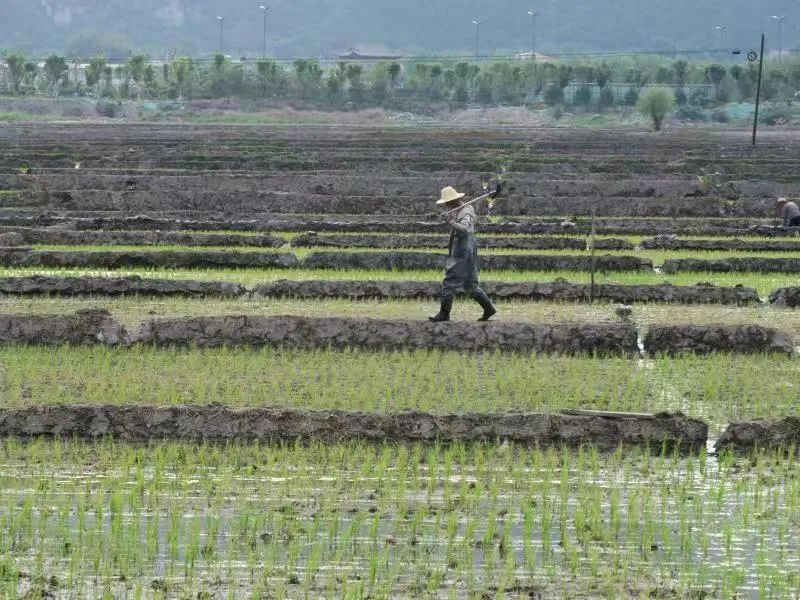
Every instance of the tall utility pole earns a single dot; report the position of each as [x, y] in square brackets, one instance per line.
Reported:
[477, 22]
[533, 13]
[721, 29]
[221, 39]
[264, 51]
[758, 87]
[780, 36]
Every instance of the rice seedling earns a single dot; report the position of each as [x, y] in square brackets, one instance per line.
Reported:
[718, 388]
[763, 282]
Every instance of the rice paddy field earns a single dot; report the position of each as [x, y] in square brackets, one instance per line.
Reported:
[103, 517]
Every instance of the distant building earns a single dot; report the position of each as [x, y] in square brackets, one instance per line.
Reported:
[354, 55]
[535, 56]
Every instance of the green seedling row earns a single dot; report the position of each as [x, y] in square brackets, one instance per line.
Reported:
[719, 388]
[108, 520]
[764, 283]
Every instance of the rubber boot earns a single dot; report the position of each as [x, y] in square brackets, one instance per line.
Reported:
[444, 311]
[488, 308]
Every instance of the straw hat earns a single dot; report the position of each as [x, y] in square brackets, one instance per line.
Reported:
[448, 195]
[782, 201]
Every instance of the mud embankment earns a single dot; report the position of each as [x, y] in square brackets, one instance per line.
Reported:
[605, 339]
[405, 261]
[84, 328]
[746, 436]
[24, 235]
[674, 243]
[733, 265]
[378, 334]
[647, 201]
[675, 340]
[25, 257]
[312, 240]
[788, 297]
[400, 261]
[217, 423]
[192, 221]
[117, 286]
[559, 290]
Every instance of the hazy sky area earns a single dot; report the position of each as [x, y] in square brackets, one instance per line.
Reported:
[328, 28]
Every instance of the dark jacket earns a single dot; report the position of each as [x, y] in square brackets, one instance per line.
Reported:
[461, 266]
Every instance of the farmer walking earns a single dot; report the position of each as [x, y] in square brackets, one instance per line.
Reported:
[461, 268]
[789, 213]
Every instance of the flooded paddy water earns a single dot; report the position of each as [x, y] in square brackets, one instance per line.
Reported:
[83, 520]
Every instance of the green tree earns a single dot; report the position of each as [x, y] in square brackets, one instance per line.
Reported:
[16, 71]
[656, 103]
[183, 68]
[270, 78]
[31, 74]
[680, 68]
[606, 99]
[356, 90]
[663, 75]
[94, 74]
[219, 83]
[55, 67]
[308, 75]
[150, 80]
[394, 69]
[603, 75]
[715, 73]
[631, 97]
[137, 64]
[554, 95]
[583, 97]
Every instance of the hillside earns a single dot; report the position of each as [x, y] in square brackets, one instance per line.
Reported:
[327, 27]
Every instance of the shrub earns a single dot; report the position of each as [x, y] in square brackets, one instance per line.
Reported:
[776, 115]
[691, 113]
[631, 97]
[606, 99]
[720, 116]
[656, 103]
[554, 95]
[680, 97]
[583, 97]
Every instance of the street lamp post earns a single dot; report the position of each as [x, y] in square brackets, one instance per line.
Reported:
[221, 39]
[533, 14]
[721, 29]
[780, 36]
[264, 51]
[477, 22]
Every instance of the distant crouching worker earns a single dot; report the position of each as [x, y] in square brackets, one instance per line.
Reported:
[461, 267]
[789, 213]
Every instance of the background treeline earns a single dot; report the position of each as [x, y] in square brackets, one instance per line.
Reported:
[592, 84]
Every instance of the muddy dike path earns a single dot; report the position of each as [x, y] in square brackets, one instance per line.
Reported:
[216, 423]
[400, 261]
[558, 290]
[371, 224]
[98, 327]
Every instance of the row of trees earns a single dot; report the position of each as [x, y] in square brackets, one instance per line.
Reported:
[393, 84]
